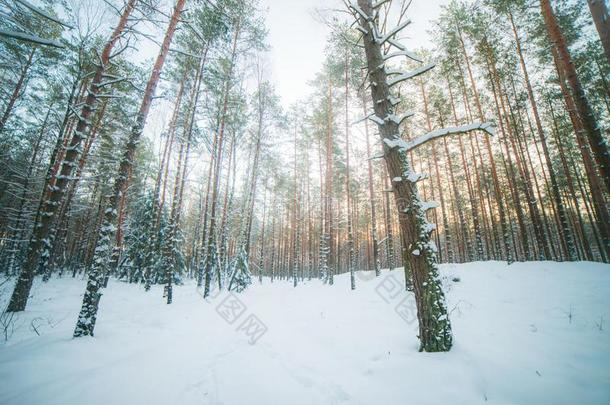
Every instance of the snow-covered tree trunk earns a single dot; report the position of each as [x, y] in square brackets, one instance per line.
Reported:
[211, 248]
[19, 226]
[172, 242]
[418, 250]
[389, 234]
[88, 314]
[64, 217]
[39, 240]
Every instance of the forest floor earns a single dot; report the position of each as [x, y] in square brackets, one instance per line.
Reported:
[527, 333]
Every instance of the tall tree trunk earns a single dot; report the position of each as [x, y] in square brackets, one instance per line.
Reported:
[18, 232]
[17, 90]
[62, 229]
[418, 257]
[211, 248]
[176, 210]
[504, 229]
[590, 124]
[468, 248]
[88, 314]
[350, 225]
[601, 18]
[565, 229]
[40, 236]
[570, 182]
[329, 236]
[295, 221]
[374, 241]
[595, 184]
[446, 231]
[389, 237]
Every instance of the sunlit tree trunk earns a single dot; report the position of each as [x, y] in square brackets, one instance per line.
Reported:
[590, 124]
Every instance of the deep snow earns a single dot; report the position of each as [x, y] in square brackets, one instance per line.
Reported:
[524, 333]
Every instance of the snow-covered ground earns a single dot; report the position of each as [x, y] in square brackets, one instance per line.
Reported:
[526, 333]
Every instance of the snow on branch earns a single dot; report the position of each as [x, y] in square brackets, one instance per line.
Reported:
[362, 30]
[378, 156]
[379, 3]
[428, 205]
[403, 52]
[411, 74]
[394, 31]
[181, 52]
[414, 177]
[376, 119]
[42, 13]
[358, 10]
[30, 38]
[398, 119]
[113, 81]
[439, 133]
[362, 119]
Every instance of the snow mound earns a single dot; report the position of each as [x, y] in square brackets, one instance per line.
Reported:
[526, 333]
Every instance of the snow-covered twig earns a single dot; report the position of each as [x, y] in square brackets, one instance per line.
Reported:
[358, 10]
[394, 31]
[362, 119]
[30, 38]
[411, 74]
[42, 13]
[379, 3]
[439, 133]
[403, 52]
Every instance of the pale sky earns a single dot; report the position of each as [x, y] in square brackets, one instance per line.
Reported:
[297, 39]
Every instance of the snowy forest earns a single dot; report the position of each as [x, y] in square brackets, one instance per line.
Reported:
[429, 222]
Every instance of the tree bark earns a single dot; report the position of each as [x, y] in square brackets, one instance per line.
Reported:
[88, 314]
[565, 229]
[39, 239]
[590, 124]
[211, 247]
[374, 241]
[419, 257]
[601, 18]
[17, 90]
